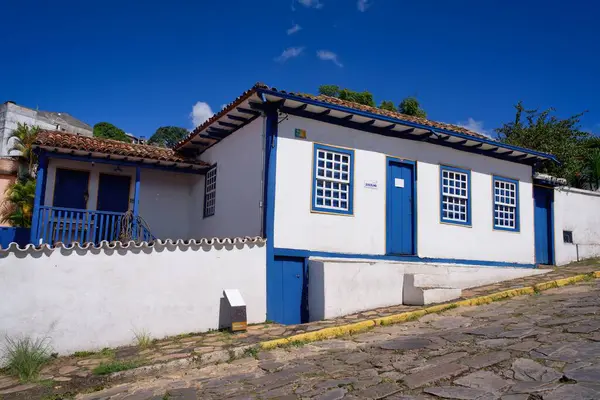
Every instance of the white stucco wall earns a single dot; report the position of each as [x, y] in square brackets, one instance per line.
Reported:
[296, 227]
[337, 288]
[90, 299]
[239, 159]
[578, 211]
[167, 199]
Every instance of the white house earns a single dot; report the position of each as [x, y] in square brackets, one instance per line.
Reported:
[317, 177]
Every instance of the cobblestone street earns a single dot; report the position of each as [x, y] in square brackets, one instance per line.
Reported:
[545, 346]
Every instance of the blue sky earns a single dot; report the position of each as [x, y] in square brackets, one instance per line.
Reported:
[141, 65]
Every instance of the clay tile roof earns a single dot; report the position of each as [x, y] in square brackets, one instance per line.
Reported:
[379, 111]
[62, 140]
[331, 100]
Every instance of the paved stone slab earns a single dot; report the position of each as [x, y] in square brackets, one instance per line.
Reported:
[405, 344]
[487, 359]
[484, 380]
[434, 374]
[528, 370]
[572, 392]
[379, 391]
[585, 374]
[334, 394]
[462, 393]
[18, 388]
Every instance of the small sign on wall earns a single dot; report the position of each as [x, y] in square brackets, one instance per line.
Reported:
[398, 182]
[300, 133]
[371, 185]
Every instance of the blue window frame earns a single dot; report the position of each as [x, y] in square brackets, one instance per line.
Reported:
[506, 204]
[210, 192]
[455, 195]
[333, 181]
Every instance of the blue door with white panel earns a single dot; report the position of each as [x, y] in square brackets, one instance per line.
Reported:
[544, 238]
[287, 291]
[400, 220]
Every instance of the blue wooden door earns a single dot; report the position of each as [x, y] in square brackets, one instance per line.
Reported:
[400, 224]
[113, 193]
[287, 291]
[71, 188]
[544, 245]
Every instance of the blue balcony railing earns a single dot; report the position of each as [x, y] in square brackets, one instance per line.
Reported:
[70, 225]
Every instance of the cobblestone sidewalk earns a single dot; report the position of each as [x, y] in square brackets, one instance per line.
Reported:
[73, 373]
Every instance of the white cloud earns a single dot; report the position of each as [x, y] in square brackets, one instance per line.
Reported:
[200, 113]
[311, 3]
[475, 126]
[327, 55]
[290, 52]
[294, 29]
[362, 5]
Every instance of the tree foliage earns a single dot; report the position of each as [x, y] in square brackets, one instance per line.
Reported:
[22, 140]
[388, 105]
[107, 130]
[167, 136]
[408, 106]
[17, 208]
[411, 106]
[364, 97]
[542, 131]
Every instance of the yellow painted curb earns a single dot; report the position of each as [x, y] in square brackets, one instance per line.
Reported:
[357, 327]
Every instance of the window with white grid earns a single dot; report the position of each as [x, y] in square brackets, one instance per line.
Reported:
[455, 207]
[210, 191]
[332, 190]
[506, 204]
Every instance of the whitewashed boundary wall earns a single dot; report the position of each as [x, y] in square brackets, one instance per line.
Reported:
[338, 287]
[94, 297]
[578, 211]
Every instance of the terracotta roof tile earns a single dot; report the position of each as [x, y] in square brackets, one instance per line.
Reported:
[62, 140]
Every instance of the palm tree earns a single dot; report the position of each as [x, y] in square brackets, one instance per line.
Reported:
[17, 208]
[22, 142]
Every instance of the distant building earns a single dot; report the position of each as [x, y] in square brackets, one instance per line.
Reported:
[11, 114]
[135, 139]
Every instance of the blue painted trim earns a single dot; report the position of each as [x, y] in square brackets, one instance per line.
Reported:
[552, 238]
[307, 253]
[517, 227]
[40, 184]
[388, 202]
[463, 171]
[350, 199]
[403, 122]
[269, 203]
[136, 202]
[88, 159]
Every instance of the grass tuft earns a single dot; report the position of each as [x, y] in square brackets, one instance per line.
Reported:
[143, 339]
[25, 356]
[80, 354]
[251, 352]
[115, 366]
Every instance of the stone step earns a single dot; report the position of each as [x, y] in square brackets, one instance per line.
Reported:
[416, 294]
